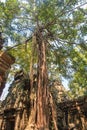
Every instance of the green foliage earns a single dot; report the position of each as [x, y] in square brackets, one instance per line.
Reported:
[60, 24]
[23, 55]
[78, 84]
[8, 11]
[11, 9]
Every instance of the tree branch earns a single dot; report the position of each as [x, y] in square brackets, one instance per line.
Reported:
[63, 13]
[25, 42]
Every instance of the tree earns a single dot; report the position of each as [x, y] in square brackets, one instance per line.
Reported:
[58, 26]
[78, 83]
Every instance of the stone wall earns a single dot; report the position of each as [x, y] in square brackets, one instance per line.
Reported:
[74, 113]
[17, 111]
[14, 110]
[6, 61]
[68, 118]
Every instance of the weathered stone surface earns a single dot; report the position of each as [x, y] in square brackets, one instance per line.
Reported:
[18, 110]
[15, 108]
[6, 61]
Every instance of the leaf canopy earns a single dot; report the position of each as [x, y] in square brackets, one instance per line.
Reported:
[63, 27]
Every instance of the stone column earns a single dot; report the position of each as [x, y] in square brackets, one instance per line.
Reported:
[17, 121]
[3, 125]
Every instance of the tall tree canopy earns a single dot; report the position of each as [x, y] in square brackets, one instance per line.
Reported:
[62, 24]
[51, 35]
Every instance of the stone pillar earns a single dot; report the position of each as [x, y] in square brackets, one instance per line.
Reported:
[66, 117]
[24, 120]
[83, 122]
[1, 121]
[17, 121]
[3, 125]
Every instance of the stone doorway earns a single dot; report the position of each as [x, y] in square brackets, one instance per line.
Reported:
[10, 125]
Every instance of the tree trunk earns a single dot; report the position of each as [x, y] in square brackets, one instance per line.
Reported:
[54, 112]
[42, 94]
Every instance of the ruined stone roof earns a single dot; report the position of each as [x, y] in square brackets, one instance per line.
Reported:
[58, 91]
[75, 104]
[19, 91]
[6, 61]
[18, 95]
[18, 100]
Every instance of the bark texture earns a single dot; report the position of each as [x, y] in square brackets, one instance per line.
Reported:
[42, 94]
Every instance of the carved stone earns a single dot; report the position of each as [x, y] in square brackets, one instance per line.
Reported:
[18, 110]
[6, 61]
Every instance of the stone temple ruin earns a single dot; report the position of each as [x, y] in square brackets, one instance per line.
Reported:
[15, 110]
[6, 61]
